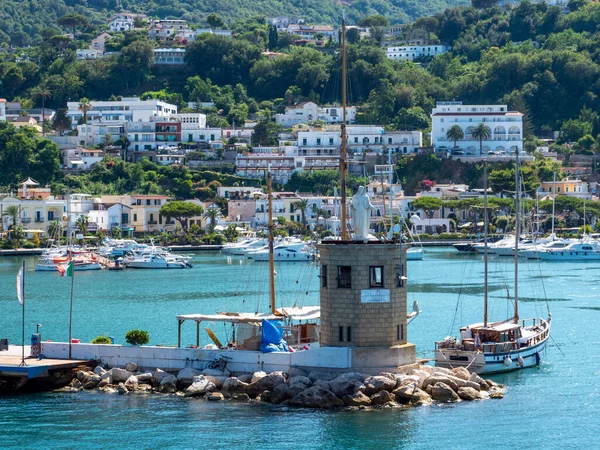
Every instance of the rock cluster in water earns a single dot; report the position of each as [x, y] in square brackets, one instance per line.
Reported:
[416, 385]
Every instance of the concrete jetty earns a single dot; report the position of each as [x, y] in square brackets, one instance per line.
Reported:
[36, 374]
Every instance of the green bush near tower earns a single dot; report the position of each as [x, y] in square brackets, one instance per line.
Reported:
[137, 337]
[101, 340]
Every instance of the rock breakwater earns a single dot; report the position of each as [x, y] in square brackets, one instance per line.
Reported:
[414, 385]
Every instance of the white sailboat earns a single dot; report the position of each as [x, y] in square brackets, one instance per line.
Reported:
[493, 347]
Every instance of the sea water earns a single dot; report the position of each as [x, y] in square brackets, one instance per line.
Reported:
[555, 405]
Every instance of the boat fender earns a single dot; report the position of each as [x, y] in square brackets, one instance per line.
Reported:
[507, 361]
[520, 361]
[537, 358]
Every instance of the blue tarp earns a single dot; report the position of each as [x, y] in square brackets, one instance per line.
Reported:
[272, 338]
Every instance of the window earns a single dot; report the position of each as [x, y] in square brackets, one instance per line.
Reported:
[304, 141]
[344, 277]
[400, 332]
[390, 140]
[135, 217]
[318, 141]
[349, 334]
[341, 334]
[376, 276]
[324, 276]
[330, 141]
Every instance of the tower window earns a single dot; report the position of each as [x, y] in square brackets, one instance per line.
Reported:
[349, 334]
[344, 277]
[400, 276]
[376, 276]
[324, 276]
[341, 334]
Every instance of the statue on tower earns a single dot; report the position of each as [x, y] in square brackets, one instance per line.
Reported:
[361, 215]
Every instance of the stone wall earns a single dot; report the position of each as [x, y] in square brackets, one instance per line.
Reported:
[371, 324]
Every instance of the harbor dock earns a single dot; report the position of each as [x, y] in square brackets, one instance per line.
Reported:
[36, 374]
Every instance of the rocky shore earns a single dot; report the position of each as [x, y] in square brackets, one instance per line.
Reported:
[414, 385]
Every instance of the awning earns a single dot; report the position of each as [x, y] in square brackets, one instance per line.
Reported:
[33, 231]
[293, 313]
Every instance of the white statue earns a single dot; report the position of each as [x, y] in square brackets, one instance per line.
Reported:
[361, 215]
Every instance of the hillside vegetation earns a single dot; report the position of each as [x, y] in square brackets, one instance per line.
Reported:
[21, 21]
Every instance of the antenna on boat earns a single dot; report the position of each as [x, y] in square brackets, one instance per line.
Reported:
[391, 233]
[553, 197]
[485, 248]
[343, 156]
[517, 235]
[271, 255]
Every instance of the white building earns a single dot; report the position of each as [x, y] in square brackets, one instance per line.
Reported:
[89, 53]
[506, 128]
[283, 22]
[128, 109]
[360, 139]
[3, 109]
[412, 52]
[106, 216]
[311, 32]
[94, 133]
[121, 22]
[308, 111]
[169, 56]
[163, 29]
[82, 159]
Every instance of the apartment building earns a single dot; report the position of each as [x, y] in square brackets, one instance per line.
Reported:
[128, 109]
[412, 52]
[308, 111]
[81, 159]
[506, 128]
[169, 56]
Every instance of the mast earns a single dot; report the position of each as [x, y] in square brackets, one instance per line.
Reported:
[485, 248]
[553, 197]
[343, 156]
[517, 235]
[271, 256]
[391, 234]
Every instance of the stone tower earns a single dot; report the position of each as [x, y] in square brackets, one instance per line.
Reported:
[363, 302]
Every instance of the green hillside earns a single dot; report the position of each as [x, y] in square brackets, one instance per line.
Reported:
[21, 21]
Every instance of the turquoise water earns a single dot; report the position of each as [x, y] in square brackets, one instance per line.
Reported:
[553, 406]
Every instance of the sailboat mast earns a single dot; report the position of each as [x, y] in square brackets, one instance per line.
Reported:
[391, 235]
[343, 156]
[517, 235]
[271, 256]
[553, 197]
[485, 248]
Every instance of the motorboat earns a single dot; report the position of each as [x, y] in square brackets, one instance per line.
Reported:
[157, 261]
[82, 262]
[583, 250]
[285, 252]
[414, 254]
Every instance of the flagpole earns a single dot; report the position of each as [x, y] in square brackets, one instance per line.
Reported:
[23, 321]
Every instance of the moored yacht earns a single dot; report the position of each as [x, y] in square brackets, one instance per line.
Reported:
[502, 346]
[157, 261]
[583, 250]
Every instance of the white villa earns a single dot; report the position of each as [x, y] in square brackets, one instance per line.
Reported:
[128, 109]
[412, 52]
[506, 128]
[169, 56]
[308, 111]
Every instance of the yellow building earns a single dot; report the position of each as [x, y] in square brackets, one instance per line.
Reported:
[572, 187]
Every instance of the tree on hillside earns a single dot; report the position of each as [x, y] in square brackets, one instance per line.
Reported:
[73, 21]
[135, 63]
[481, 132]
[84, 106]
[42, 92]
[374, 21]
[455, 133]
[428, 204]
[181, 211]
[214, 21]
[484, 4]
[61, 122]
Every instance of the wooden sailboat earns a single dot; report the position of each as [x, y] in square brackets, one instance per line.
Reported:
[494, 347]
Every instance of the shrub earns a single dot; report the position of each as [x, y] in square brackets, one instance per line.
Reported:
[101, 340]
[137, 337]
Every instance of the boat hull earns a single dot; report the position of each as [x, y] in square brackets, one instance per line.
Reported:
[163, 265]
[414, 254]
[78, 268]
[497, 362]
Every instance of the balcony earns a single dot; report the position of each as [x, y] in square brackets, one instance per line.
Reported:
[152, 222]
[25, 220]
[39, 219]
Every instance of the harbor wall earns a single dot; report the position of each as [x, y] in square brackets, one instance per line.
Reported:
[242, 361]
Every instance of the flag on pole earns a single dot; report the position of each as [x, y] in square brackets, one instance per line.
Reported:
[20, 285]
[65, 269]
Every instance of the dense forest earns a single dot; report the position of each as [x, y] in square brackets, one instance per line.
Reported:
[22, 21]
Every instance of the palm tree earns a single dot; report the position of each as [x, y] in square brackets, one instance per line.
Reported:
[82, 223]
[481, 132]
[13, 213]
[455, 133]
[212, 214]
[42, 92]
[302, 205]
[84, 106]
[54, 229]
